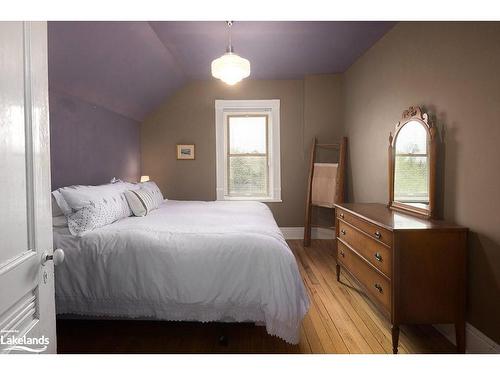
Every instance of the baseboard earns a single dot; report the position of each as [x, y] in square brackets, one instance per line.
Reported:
[297, 233]
[476, 342]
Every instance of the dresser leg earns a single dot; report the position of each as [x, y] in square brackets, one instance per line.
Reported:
[460, 336]
[337, 268]
[395, 339]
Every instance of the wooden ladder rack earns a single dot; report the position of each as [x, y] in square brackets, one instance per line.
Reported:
[339, 188]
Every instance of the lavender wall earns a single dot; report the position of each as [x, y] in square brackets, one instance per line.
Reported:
[90, 144]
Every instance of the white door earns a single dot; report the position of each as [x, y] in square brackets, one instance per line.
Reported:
[27, 313]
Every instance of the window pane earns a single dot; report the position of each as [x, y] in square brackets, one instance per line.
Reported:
[248, 175]
[247, 135]
[411, 179]
[412, 139]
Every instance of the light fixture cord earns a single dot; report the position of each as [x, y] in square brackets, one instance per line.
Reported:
[230, 46]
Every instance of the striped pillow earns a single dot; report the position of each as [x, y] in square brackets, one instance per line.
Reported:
[141, 201]
[155, 192]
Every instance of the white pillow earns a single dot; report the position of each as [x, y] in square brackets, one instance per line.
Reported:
[79, 196]
[56, 210]
[154, 190]
[59, 204]
[141, 201]
[66, 209]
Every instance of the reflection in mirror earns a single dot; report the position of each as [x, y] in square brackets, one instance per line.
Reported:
[411, 169]
[412, 164]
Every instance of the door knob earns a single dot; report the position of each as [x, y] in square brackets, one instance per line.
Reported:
[57, 256]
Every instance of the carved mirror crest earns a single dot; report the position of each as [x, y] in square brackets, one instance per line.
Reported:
[412, 164]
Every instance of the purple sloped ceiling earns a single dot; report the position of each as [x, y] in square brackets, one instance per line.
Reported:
[121, 66]
[131, 67]
[276, 50]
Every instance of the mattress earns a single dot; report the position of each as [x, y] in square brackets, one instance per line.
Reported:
[185, 261]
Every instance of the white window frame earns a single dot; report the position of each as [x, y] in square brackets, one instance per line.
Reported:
[271, 108]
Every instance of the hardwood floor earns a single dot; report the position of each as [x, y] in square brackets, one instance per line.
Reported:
[340, 320]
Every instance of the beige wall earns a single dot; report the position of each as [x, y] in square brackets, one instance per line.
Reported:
[309, 107]
[452, 69]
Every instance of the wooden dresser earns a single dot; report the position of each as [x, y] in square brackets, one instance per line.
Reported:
[413, 269]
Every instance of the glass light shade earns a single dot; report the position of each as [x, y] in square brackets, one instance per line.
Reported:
[230, 68]
[144, 178]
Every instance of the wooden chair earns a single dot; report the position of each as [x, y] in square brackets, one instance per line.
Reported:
[325, 187]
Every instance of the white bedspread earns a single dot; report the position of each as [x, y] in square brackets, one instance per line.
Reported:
[197, 261]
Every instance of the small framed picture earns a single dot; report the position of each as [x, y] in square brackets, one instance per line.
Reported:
[185, 152]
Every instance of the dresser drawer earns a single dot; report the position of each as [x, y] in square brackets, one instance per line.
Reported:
[370, 229]
[378, 254]
[375, 284]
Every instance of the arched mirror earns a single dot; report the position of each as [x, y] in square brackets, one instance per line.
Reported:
[412, 164]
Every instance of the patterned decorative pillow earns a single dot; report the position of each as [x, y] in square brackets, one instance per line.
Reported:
[95, 206]
[152, 188]
[141, 201]
[98, 213]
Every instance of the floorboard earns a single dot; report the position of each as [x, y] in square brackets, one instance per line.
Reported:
[341, 320]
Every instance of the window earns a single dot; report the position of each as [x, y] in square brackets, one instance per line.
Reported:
[248, 150]
[247, 155]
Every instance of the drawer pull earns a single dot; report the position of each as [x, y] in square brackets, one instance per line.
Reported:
[342, 231]
[378, 287]
[378, 234]
[341, 215]
[378, 257]
[342, 254]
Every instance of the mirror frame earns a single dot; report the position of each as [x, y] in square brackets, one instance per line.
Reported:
[415, 114]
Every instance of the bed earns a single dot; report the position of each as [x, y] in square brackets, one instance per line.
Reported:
[185, 261]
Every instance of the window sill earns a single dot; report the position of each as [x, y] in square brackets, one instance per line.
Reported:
[263, 200]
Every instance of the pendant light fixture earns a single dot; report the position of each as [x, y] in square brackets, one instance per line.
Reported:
[230, 67]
